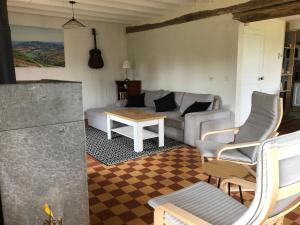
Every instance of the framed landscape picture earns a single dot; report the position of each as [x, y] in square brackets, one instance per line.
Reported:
[38, 47]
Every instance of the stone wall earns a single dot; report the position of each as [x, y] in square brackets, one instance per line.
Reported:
[42, 153]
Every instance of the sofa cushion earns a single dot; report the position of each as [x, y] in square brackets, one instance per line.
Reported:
[150, 96]
[97, 111]
[170, 132]
[188, 99]
[97, 116]
[166, 103]
[196, 107]
[174, 119]
[136, 101]
[217, 104]
[178, 98]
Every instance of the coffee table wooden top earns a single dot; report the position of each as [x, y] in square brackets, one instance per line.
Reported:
[136, 115]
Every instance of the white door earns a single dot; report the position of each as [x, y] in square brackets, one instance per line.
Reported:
[251, 72]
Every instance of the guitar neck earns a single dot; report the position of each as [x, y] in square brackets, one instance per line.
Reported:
[95, 37]
[95, 41]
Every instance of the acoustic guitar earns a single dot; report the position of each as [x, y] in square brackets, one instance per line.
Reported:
[96, 60]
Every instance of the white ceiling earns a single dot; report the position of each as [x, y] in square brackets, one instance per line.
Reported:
[117, 11]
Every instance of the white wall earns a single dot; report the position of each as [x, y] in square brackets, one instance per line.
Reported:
[98, 85]
[199, 57]
[272, 33]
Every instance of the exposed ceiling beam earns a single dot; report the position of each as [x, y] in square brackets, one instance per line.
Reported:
[177, 2]
[67, 12]
[54, 4]
[235, 9]
[287, 9]
[60, 15]
[116, 5]
[125, 11]
[149, 4]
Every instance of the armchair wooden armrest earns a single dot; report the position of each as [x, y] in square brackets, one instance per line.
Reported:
[250, 186]
[274, 134]
[235, 130]
[177, 212]
[234, 146]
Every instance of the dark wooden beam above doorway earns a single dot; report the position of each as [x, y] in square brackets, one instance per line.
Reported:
[250, 11]
[276, 11]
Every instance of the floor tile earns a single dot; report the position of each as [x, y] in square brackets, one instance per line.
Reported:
[119, 194]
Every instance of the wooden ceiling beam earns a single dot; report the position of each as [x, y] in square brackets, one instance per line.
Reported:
[59, 15]
[158, 5]
[136, 11]
[235, 9]
[65, 16]
[288, 9]
[83, 7]
[177, 2]
[78, 12]
[111, 4]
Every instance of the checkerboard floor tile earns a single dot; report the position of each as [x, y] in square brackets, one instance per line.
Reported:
[118, 194]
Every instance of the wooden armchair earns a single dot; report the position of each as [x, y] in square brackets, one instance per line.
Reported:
[262, 123]
[277, 192]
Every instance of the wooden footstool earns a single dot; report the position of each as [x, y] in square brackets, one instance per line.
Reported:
[223, 170]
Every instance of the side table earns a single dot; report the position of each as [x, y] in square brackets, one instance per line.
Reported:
[224, 170]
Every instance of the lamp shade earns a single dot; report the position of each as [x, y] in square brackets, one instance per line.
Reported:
[73, 23]
[126, 65]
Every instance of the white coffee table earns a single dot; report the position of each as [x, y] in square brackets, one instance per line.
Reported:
[136, 120]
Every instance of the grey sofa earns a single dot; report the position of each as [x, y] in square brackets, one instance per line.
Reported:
[186, 129]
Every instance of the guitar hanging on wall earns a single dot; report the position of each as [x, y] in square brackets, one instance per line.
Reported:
[96, 60]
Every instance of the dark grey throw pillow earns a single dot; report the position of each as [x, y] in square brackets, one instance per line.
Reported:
[166, 103]
[197, 107]
[136, 101]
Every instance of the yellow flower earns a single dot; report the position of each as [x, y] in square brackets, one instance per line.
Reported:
[48, 210]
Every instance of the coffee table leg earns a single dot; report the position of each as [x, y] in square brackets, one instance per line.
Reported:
[161, 133]
[108, 128]
[138, 138]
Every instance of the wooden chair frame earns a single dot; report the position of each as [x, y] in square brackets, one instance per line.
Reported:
[277, 194]
[235, 130]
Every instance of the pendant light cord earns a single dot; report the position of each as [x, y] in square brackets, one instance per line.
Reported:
[72, 3]
[73, 11]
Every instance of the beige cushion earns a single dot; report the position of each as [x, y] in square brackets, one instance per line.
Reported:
[209, 149]
[205, 201]
[261, 121]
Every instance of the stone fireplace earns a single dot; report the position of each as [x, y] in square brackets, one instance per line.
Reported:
[42, 152]
[42, 145]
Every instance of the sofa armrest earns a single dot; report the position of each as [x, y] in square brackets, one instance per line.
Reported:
[193, 121]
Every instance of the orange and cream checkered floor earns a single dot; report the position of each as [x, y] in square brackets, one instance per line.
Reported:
[119, 194]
